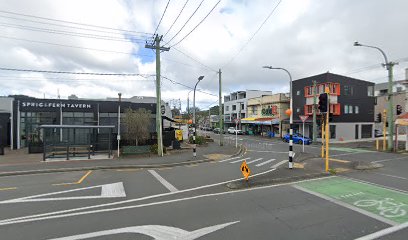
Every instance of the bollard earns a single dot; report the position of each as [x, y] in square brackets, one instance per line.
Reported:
[377, 144]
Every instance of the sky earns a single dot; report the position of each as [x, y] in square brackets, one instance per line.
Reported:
[306, 37]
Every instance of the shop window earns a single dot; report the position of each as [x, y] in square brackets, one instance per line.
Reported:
[366, 131]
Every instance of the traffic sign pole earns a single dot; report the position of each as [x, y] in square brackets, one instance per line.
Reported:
[303, 118]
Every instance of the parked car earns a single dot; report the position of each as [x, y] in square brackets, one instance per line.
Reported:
[231, 130]
[217, 130]
[297, 138]
[238, 132]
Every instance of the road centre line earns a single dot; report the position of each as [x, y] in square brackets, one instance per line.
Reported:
[240, 160]
[381, 233]
[163, 181]
[77, 182]
[356, 209]
[266, 162]
[53, 216]
[137, 199]
[255, 160]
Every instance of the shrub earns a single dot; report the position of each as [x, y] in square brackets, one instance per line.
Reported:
[199, 140]
[153, 149]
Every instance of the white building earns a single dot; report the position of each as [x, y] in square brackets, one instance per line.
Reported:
[235, 105]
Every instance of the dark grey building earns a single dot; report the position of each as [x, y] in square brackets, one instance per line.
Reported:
[352, 103]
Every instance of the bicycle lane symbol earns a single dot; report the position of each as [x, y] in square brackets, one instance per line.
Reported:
[381, 201]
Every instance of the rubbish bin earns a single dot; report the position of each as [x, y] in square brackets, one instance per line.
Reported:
[176, 144]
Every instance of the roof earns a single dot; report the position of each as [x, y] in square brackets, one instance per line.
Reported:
[77, 126]
[327, 76]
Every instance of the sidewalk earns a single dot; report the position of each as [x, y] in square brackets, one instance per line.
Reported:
[18, 162]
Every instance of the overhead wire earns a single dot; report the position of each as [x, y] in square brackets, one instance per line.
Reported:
[186, 86]
[175, 20]
[74, 23]
[75, 73]
[195, 60]
[199, 5]
[164, 12]
[197, 24]
[253, 35]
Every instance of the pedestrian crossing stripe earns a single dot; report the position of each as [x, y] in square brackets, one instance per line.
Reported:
[255, 160]
[240, 160]
[266, 162]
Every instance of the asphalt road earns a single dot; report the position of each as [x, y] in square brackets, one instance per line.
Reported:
[193, 201]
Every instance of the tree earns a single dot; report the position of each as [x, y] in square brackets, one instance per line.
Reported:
[137, 123]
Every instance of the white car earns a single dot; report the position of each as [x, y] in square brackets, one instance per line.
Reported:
[231, 130]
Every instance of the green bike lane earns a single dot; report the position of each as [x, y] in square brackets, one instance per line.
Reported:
[387, 205]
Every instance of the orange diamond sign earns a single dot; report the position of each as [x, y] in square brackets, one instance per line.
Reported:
[245, 170]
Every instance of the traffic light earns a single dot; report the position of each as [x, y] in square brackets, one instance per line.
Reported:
[399, 109]
[323, 103]
[379, 117]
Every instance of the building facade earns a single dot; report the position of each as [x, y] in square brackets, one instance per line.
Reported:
[352, 104]
[266, 113]
[23, 115]
[235, 105]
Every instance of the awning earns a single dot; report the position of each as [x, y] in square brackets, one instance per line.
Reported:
[247, 120]
[169, 119]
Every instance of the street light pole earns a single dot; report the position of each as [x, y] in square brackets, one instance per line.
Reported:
[194, 117]
[389, 66]
[291, 116]
[118, 136]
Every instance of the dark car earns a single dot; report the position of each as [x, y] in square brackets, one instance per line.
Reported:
[297, 138]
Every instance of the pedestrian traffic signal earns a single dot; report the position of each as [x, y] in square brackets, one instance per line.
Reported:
[323, 102]
[399, 109]
[379, 117]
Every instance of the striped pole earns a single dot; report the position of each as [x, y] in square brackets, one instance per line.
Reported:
[194, 143]
[290, 147]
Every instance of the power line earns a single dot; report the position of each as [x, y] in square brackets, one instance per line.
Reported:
[165, 9]
[77, 73]
[253, 35]
[176, 19]
[181, 84]
[69, 33]
[185, 22]
[195, 60]
[197, 24]
[74, 23]
[66, 26]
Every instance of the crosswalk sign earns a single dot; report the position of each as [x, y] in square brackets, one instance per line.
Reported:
[245, 170]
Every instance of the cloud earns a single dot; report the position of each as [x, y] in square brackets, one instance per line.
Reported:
[307, 37]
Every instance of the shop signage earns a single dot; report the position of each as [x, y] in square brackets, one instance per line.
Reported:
[56, 105]
[270, 111]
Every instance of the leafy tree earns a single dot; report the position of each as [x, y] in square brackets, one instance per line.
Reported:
[137, 124]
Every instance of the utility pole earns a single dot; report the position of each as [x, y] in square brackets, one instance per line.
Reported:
[156, 46]
[389, 66]
[118, 137]
[314, 136]
[220, 121]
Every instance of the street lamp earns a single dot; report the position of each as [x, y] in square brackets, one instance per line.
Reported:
[389, 66]
[118, 136]
[291, 116]
[194, 116]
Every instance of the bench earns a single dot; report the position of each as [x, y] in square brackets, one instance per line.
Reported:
[135, 150]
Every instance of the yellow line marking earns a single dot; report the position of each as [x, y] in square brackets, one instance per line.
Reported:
[9, 188]
[338, 160]
[78, 182]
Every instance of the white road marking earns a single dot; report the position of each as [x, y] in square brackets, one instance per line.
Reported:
[267, 151]
[112, 190]
[228, 159]
[255, 160]
[157, 232]
[266, 162]
[345, 154]
[52, 216]
[376, 184]
[279, 163]
[383, 232]
[241, 160]
[351, 207]
[390, 159]
[163, 181]
[388, 175]
[130, 200]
